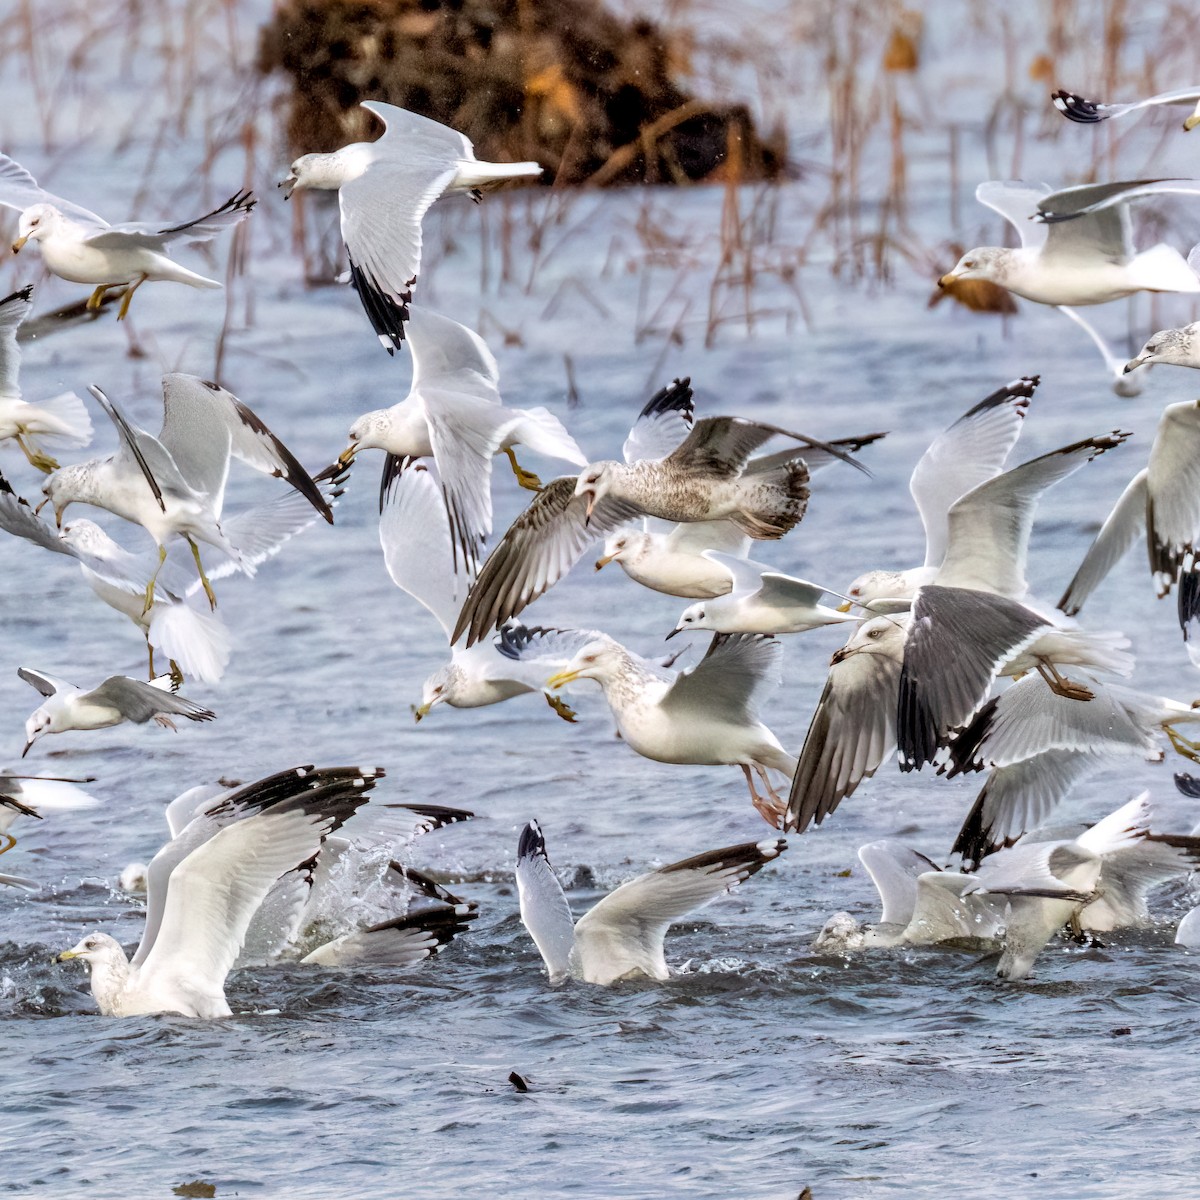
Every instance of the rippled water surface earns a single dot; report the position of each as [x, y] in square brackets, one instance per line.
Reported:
[761, 1067]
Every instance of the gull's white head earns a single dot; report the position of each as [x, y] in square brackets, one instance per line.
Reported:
[133, 879]
[437, 689]
[97, 949]
[599, 660]
[1174, 346]
[312, 171]
[984, 262]
[874, 585]
[88, 538]
[622, 546]
[65, 486]
[880, 635]
[40, 722]
[595, 482]
[36, 223]
[367, 433]
[692, 617]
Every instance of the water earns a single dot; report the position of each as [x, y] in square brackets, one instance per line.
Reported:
[760, 1067]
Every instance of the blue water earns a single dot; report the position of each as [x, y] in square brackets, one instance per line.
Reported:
[760, 1068]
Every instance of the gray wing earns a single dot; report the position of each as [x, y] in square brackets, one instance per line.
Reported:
[957, 642]
[1088, 112]
[13, 310]
[816, 456]
[1089, 222]
[972, 451]
[735, 667]
[544, 907]
[19, 519]
[48, 685]
[140, 702]
[1016, 202]
[203, 424]
[399, 942]
[1034, 869]
[721, 446]
[540, 547]
[407, 133]
[894, 869]
[141, 452]
[446, 354]
[989, 527]
[663, 424]
[19, 190]
[1173, 491]
[539, 651]
[1128, 876]
[1120, 530]
[853, 730]
[152, 236]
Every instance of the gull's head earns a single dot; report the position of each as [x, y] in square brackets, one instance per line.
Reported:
[367, 433]
[595, 482]
[1168, 346]
[620, 546]
[880, 635]
[88, 538]
[36, 223]
[597, 660]
[38, 724]
[95, 949]
[692, 617]
[874, 585]
[437, 689]
[311, 171]
[133, 879]
[984, 262]
[61, 488]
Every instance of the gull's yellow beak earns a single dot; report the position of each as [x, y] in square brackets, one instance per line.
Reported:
[603, 561]
[16, 246]
[561, 679]
[65, 955]
[421, 711]
[845, 606]
[1188, 125]
[947, 280]
[347, 456]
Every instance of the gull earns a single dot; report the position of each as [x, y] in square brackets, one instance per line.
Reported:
[622, 936]
[33, 796]
[709, 477]
[174, 484]
[704, 715]
[1174, 347]
[81, 247]
[968, 453]
[384, 190]
[414, 531]
[453, 414]
[1076, 243]
[112, 702]
[1163, 499]
[62, 419]
[1088, 112]
[210, 896]
[762, 600]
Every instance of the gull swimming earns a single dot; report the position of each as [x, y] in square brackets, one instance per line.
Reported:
[704, 715]
[116, 700]
[174, 484]
[1088, 112]
[968, 453]
[384, 190]
[762, 600]
[453, 414]
[62, 419]
[622, 936]
[709, 477]
[81, 247]
[210, 896]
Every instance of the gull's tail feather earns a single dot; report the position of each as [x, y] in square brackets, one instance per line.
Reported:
[66, 422]
[197, 641]
[774, 501]
[1163, 269]
[543, 433]
[474, 175]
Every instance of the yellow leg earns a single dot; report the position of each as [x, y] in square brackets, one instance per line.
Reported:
[43, 462]
[133, 287]
[212, 596]
[1189, 750]
[527, 479]
[95, 299]
[1060, 685]
[162, 558]
[176, 673]
[563, 709]
[10, 842]
[151, 649]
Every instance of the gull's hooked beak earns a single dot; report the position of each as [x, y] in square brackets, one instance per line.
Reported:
[603, 562]
[561, 679]
[946, 280]
[840, 655]
[41, 504]
[16, 246]
[65, 956]
[27, 748]
[347, 456]
[1191, 123]
[419, 711]
[591, 504]
[677, 629]
[845, 606]
[1134, 363]
[288, 185]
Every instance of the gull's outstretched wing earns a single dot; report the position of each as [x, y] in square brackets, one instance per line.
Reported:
[540, 547]
[140, 702]
[143, 451]
[1016, 202]
[972, 451]
[720, 447]
[694, 537]
[1088, 112]
[894, 869]
[48, 685]
[203, 424]
[539, 651]
[1090, 222]
[734, 668]
[408, 133]
[13, 310]
[446, 354]
[624, 932]
[544, 907]
[663, 424]
[19, 519]
[1173, 492]
[400, 942]
[1120, 530]
[989, 527]
[1128, 877]
[19, 190]
[152, 236]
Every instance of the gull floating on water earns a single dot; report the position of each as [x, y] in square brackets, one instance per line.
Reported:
[1089, 112]
[81, 247]
[62, 419]
[200, 906]
[622, 936]
[384, 190]
[116, 700]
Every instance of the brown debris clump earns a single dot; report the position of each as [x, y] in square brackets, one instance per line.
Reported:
[588, 95]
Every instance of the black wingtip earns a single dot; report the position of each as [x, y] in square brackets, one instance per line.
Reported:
[387, 316]
[531, 843]
[1075, 108]
[678, 397]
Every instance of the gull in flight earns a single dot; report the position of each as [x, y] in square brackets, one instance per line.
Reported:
[453, 415]
[622, 936]
[34, 796]
[62, 420]
[116, 700]
[81, 247]
[704, 715]
[384, 190]
[1089, 112]
[210, 896]
[174, 484]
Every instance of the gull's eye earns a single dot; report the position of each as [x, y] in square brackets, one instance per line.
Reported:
[90, 944]
[969, 264]
[874, 633]
[589, 658]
